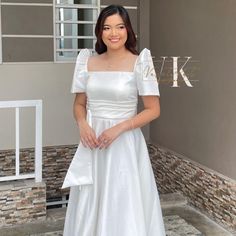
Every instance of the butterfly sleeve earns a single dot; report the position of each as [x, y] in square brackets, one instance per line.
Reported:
[80, 72]
[146, 79]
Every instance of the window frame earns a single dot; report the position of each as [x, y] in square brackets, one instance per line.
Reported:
[94, 6]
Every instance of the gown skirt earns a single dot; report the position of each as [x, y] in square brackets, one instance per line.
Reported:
[112, 191]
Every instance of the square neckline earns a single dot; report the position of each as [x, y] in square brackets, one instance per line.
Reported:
[111, 71]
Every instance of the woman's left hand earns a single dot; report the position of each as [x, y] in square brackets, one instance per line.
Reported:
[108, 136]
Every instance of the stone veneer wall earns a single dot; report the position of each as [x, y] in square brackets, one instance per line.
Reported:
[210, 192]
[22, 201]
[56, 161]
[205, 189]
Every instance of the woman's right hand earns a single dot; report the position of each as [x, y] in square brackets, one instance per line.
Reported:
[87, 135]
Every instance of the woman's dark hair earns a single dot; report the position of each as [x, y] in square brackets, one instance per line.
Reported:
[130, 44]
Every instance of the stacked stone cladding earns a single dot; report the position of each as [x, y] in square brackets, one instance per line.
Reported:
[22, 201]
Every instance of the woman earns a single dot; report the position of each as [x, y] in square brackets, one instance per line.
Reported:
[113, 190]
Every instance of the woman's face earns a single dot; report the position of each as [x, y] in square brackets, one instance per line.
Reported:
[114, 33]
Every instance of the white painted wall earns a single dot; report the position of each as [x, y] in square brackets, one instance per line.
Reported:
[50, 82]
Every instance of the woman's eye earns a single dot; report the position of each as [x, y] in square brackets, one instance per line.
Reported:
[122, 27]
[105, 28]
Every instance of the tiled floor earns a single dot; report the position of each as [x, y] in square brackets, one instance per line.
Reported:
[180, 220]
[174, 225]
[195, 219]
[55, 233]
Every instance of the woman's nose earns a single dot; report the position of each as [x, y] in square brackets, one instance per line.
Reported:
[114, 31]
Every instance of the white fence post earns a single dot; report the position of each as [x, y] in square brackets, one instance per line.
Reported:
[17, 153]
[38, 138]
[38, 143]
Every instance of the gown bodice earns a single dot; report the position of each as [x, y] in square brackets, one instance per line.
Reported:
[114, 94]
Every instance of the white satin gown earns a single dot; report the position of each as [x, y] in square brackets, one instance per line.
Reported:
[113, 191]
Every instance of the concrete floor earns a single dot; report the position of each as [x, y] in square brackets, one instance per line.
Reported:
[180, 219]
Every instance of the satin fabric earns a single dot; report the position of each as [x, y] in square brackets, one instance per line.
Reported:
[113, 191]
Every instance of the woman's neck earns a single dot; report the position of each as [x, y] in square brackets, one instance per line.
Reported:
[119, 53]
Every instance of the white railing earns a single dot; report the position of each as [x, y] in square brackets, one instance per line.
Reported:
[37, 175]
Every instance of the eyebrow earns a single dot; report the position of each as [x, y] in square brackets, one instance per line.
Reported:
[116, 25]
